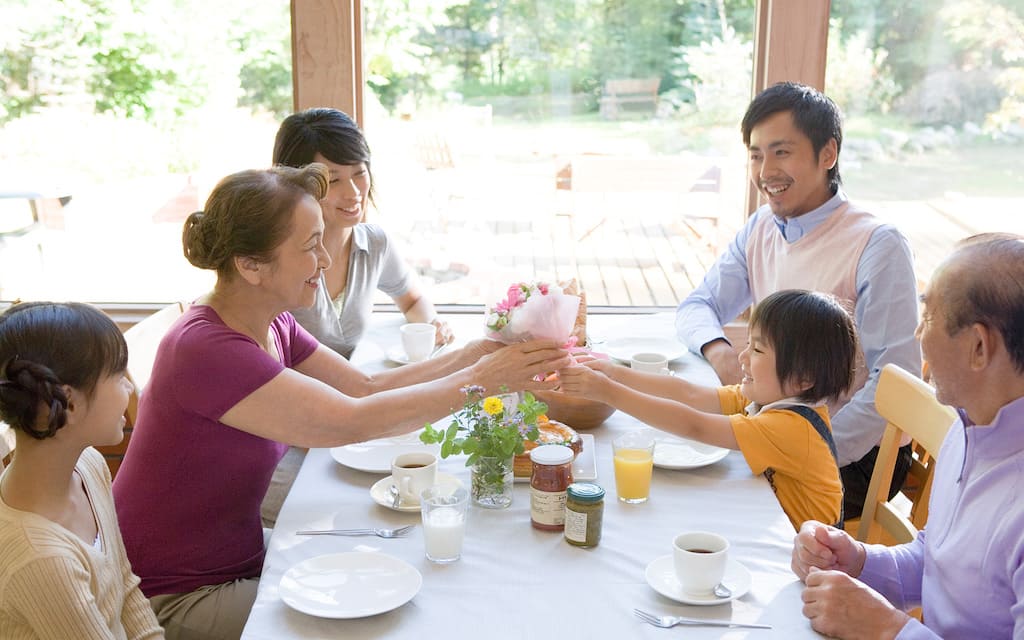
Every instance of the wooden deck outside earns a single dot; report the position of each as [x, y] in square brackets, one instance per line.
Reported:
[634, 251]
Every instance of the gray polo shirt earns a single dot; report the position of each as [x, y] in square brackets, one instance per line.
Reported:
[373, 264]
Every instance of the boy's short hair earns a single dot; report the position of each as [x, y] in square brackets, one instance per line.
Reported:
[814, 340]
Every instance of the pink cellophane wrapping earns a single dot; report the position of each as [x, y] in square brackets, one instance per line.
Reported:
[549, 317]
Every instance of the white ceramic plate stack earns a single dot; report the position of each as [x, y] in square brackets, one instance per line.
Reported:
[375, 456]
[681, 453]
[622, 349]
[356, 584]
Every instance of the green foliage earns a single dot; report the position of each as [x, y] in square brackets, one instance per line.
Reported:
[712, 79]
[267, 84]
[856, 76]
[485, 427]
[122, 82]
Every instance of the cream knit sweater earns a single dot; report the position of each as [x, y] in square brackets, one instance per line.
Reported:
[55, 585]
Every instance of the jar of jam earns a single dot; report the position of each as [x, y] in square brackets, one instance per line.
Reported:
[584, 513]
[550, 477]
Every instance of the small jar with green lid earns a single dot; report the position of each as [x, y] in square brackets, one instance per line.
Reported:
[584, 513]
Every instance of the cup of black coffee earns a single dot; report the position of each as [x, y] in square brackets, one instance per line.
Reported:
[699, 558]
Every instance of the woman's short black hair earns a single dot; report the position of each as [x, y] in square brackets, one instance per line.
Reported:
[814, 340]
[46, 345]
[329, 132]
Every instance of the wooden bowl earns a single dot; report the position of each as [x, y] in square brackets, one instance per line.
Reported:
[578, 413]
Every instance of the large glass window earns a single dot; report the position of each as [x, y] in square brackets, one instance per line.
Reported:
[597, 139]
[116, 119]
[934, 99]
[512, 139]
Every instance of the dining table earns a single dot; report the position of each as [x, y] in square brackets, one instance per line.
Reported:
[515, 581]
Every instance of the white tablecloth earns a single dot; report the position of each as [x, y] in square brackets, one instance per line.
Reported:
[514, 581]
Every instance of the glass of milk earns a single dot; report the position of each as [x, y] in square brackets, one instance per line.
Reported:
[444, 521]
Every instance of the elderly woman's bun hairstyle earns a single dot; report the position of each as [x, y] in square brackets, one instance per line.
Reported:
[248, 214]
[45, 346]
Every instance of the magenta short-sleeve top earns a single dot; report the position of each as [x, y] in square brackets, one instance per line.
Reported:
[189, 490]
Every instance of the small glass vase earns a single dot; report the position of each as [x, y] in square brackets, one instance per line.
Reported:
[491, 482]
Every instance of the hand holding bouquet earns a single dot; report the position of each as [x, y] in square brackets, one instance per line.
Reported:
[531, 311]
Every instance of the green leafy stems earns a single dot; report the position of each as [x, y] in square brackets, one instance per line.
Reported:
[487, 427]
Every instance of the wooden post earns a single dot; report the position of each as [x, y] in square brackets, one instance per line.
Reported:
[326, 56]
[790, 42]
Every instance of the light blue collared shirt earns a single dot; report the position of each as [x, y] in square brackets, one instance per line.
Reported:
[885, 314]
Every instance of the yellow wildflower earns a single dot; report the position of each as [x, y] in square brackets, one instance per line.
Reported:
[493, 405]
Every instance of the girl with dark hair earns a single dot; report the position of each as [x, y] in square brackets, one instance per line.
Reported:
[64, 572]
[363, 256]
[802, 352]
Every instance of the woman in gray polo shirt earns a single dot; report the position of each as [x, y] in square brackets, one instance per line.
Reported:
[363, 256]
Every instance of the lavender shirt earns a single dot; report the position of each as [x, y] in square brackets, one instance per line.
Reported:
[966, 568]
[188, 493]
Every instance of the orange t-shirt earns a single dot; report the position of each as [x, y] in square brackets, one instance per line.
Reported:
[789, 452]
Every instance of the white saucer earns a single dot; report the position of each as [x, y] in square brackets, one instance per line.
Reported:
[380, 491]
[355, 584]
[397, 355]
[680, 453]
[661, 575]
[623, 349]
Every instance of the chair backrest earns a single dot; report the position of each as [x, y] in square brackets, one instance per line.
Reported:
[6, 444]
[143, 339]
[909, 406]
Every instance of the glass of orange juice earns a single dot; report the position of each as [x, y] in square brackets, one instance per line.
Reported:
[634, 462]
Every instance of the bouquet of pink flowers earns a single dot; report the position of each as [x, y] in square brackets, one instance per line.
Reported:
[533, 310]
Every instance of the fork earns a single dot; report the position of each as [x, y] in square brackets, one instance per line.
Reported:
[381, 533]
[671, 621]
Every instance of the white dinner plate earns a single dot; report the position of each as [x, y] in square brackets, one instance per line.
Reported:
[381, 491]
[623, 349]
[680, 453]
[355, 584]
[584, 467]
[661, 575]
[375, 456]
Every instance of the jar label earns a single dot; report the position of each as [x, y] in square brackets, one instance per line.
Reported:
[575, 526]
[547, 507]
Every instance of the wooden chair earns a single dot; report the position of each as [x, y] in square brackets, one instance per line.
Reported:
[143, 340]
[6, 444]
[909, 406]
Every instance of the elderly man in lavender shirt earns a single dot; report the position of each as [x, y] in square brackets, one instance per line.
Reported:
[809, 235]
[966, 568]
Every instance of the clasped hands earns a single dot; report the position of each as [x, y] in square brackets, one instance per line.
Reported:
[828, 561]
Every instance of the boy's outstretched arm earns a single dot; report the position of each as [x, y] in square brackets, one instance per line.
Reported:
[661, 413]
[656, 384]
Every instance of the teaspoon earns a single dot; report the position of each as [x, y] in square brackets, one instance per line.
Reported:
[722, 591]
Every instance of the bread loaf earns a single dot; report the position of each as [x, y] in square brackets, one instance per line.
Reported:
[551, 432]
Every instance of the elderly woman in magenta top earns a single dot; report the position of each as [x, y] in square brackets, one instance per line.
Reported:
[236, 380]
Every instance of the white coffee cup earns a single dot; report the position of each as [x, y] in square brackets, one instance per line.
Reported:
[418, 340]
[700, 559]
[649, 362]
[412, 473]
